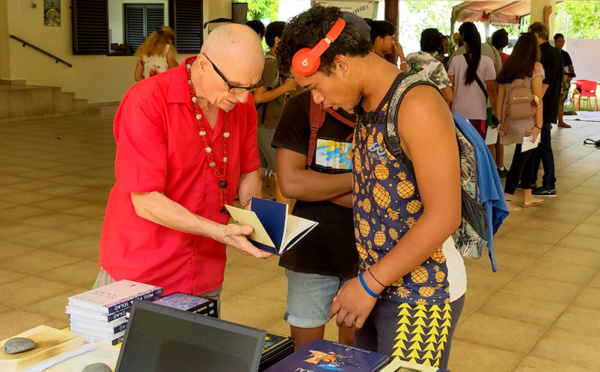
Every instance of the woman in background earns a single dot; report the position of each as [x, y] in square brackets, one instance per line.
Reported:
[157, 54]
[383, 38]
[522, 68]
[470, 96]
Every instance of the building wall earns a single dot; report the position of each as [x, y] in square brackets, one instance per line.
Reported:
[115, 17]
[95, 78]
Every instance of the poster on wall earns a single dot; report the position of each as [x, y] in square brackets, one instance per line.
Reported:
[52, 13]
[363, 9]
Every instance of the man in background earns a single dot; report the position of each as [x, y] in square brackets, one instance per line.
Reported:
[551, 86]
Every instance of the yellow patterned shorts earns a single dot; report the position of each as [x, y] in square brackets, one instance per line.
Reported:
[415, 333]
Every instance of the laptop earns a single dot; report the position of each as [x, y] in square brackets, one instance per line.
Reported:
[164, 339]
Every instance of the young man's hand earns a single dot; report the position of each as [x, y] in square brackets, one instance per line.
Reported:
[352, 305]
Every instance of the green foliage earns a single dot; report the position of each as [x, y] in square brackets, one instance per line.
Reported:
[427, 14]
[266, 11]
[578, 19]
[422, 15]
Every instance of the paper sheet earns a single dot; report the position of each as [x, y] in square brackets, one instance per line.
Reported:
[528, 145]
[491, 136]
[44, 365]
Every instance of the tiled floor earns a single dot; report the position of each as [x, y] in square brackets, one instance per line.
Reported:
[539, 312]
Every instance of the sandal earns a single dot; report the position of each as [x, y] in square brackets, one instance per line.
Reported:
[512, 207]
[533, 203]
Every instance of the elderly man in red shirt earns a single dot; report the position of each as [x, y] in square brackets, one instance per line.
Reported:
[186, 146]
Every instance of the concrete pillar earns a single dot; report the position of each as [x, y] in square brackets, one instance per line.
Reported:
[391, 15]
[537, 13]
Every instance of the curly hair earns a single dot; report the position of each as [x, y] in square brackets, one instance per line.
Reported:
[308, 28]
[157, 42]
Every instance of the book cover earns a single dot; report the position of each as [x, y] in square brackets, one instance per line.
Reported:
[275, 231]
[323, 355]
[404, 366]
[275, 348]
[272, 341]
[115, 297]
[186, 302]
[95, 315]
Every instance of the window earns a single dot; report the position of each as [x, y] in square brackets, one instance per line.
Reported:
[186, 20]
[140, 21]
[90, 27]
[91, 24]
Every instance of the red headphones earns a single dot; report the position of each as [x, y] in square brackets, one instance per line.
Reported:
[306, 61]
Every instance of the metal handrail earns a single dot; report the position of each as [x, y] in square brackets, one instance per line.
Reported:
[26, 43]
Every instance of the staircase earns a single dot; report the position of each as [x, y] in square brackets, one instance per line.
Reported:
[20, 101]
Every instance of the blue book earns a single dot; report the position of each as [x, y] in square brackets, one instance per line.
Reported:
[186, 302]
[323, 355]
[275, 230]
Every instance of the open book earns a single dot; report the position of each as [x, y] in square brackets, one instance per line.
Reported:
[275, 231]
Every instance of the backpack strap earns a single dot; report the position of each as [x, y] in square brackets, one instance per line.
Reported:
[317, 118]
[392, 138]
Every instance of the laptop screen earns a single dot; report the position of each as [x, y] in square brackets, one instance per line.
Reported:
[163, 339]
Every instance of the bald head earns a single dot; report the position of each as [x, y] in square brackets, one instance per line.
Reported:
[234, 42]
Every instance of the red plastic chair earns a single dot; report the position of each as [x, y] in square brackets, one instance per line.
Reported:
[588, 91]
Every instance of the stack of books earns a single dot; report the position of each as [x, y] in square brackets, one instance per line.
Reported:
[186, 302]
[101, 312]
[275, 348]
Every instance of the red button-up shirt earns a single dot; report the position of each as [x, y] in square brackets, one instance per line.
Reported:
[159, 149]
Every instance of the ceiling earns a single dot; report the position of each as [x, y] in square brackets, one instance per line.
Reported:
[499, 12]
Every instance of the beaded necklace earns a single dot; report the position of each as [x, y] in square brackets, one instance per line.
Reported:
[202, 123]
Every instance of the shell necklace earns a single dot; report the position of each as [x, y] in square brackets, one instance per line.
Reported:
[202, 124]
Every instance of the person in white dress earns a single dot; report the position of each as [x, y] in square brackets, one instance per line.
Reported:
[157, 54]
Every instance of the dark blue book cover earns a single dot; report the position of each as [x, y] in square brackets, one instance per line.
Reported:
[272, 225]
[322, 355]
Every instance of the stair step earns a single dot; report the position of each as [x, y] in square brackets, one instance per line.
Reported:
[20, 101]
[12, 82]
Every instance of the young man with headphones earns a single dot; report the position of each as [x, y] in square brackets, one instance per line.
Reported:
[402, 217]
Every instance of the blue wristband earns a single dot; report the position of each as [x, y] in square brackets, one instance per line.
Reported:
[366, 288]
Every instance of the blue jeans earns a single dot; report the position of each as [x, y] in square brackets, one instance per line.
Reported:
[545, 156]
[309, 298]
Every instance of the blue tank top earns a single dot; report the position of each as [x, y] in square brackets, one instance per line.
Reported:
[386, 205]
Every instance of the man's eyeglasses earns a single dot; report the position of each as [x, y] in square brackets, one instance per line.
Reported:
[233, 88]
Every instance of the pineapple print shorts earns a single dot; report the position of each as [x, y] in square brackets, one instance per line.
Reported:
[415, 333]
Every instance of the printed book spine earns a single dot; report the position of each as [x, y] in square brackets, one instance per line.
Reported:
[97, 326]
[94, 315]
[119, 305]
[208, 310]
[91, 332]
[97, 323]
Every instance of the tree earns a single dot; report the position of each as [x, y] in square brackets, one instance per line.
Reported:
[578, 19]
[422, 15]
[266, 11]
